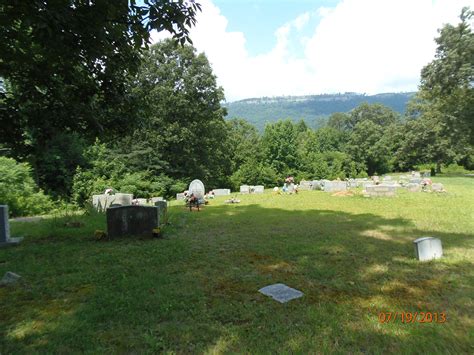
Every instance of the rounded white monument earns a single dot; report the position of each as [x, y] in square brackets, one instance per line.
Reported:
[196, 187]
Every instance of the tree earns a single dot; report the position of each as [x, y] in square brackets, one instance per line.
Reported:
[376, 113]
[367, 147]
[280, 146]
[181, 132]
[243, 142]
[64, 64]
[447, 82]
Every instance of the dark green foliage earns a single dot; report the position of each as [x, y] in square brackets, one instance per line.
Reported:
[65, 65]
[19, 191]
[253, 172]
[182, 130]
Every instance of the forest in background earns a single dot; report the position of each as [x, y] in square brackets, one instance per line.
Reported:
[313, 109]
[112, 112]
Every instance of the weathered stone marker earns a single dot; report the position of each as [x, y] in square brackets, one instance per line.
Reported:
[132, 221]
[163, 209]
[428, 248]
[281, 292]
[5, 239]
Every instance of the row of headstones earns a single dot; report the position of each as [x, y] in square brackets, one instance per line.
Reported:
[217, 192]
[388, 186]
[250, 189]
[104, 201]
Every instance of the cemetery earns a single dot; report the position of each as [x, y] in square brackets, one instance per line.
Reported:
[235, 265]
[221, 177]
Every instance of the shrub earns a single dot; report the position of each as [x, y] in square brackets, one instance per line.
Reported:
[19, 191]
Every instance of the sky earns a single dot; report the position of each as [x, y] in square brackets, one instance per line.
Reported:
[301, 47]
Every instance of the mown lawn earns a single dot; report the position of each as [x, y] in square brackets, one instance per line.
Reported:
[195, 290]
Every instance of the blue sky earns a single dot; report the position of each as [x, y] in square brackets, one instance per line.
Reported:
[302, 47]
[259, 19]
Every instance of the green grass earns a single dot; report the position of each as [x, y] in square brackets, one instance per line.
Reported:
[195, 291]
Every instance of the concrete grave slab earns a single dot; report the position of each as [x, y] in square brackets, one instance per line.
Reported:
[281, 292]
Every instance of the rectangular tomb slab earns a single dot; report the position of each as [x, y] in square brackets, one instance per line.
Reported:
[281, 292]
[132, 221]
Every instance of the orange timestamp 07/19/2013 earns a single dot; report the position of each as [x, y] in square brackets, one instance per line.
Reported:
[413, 317]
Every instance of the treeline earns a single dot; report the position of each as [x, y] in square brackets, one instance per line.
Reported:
[151, 130]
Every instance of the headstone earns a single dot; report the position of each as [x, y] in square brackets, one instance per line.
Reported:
[9, 278]
[102, 202]
[306, 185]
[351, 183]
[426, 174]
[120, 199]
[380, 191]
[5, 239]
[334, 186]
[437, 187]
[317, 185]
[180, 196]
[281, 292]
[221, 192]
[258, 189]
[428, 248]
[156, 199]
[142, 201]
[415, 180]
[413, 187]
[416, 174]
[132, 220]
[163, 209]
[387, 178]
[244, 189]
[196, 187]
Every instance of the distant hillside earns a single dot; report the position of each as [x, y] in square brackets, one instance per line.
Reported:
[314, 109]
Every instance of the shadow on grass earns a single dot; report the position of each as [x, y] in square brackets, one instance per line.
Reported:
[196, 290]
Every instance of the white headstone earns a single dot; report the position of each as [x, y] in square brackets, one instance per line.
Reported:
[221, 192]
[281, 292]
[244, 189]
[258, 189]
[180, 196]
[196, 187]
[428, 248]
[380, 190]
[437, 187]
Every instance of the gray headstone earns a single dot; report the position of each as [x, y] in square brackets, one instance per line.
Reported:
[281, 292]
[334, 186]
[317, 185]
[132, 220]
[163, 209]
[415, 180]
[102, 202]
[9, 278]
[428, 248]
[437, 187]
[122, 199]
[5, 239]
[196, 187]
[387, 178]
[305, 185]
[221, 192]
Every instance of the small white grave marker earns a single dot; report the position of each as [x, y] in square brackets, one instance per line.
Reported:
[428, 248]
[281, 292]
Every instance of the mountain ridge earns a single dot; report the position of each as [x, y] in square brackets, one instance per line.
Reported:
[314, 109]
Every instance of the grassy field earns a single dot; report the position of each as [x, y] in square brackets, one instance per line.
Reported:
[195, 291]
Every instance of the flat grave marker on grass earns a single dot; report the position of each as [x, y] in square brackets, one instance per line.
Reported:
[5, 239]
[380, 190]
[281, 292]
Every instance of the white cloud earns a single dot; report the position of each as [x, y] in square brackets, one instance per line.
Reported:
[359, 45]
